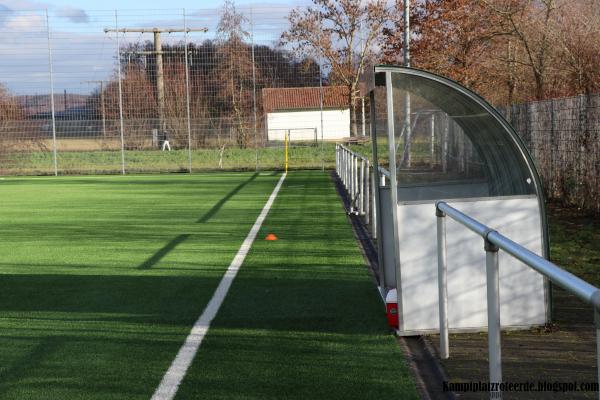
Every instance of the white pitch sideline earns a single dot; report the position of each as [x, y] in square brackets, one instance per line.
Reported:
[176, 372]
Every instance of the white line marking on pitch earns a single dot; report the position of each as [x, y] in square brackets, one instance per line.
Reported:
[174, 375]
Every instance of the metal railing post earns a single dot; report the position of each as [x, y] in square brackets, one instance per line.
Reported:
[340, 154]
[346, 170]
[341, 166]
[442, 283]
[368, 203]
[336, 159]
[361, 190]
[493, 311]
[597, 322]
[374, 204]
[352, 181]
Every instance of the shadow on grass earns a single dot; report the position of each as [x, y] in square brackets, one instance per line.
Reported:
[210, 213]
[160, 254]
[156, 257]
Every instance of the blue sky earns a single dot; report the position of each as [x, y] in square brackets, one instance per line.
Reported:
[81, 51]
[91, 5]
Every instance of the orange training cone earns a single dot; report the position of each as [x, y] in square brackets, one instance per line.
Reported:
[271, 237]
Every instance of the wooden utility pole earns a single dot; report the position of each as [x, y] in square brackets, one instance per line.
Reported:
[160, 80]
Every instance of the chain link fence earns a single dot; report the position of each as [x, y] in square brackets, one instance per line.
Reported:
[161, 91]
[563, 136]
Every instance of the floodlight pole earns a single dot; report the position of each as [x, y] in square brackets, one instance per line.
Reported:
[160, 81]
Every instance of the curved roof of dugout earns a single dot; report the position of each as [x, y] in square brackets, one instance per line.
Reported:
[508, 166]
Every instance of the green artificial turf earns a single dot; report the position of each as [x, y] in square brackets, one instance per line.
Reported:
[101, 279]
[302, 320]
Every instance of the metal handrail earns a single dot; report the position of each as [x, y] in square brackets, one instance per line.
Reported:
[493, 242]
[358, 177]
[384, 172]
[577, 286]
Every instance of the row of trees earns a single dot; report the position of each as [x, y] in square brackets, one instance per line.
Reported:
[507, 50]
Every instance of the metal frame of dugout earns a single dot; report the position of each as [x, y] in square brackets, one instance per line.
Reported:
[466, 154]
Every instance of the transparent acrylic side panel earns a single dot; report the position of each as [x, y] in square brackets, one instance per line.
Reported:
[451, 147]
[379, 127]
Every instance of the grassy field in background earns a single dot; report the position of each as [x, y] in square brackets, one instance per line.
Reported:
[301, 156]
[103, 277]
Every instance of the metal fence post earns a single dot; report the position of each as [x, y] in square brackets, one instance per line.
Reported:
[187, 93]
[51, 71]
[493, 310]
[254, 102]
[442, 283]
[122, 127]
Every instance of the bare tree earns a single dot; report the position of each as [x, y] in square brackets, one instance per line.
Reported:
[452, 38]
[579, 42]
[10, 111]
[345, 33]
[532, 24]
[11, 131]
[9, 108]
[235, 71]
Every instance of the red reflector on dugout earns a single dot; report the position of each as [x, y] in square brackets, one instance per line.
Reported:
[391, 305]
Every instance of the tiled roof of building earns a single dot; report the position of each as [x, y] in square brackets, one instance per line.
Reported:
[304, 98]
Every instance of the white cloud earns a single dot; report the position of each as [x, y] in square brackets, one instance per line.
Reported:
[25, 22]
[75, 15]
[23, 4]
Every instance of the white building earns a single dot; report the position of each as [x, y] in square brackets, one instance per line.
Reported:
[298, 111]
